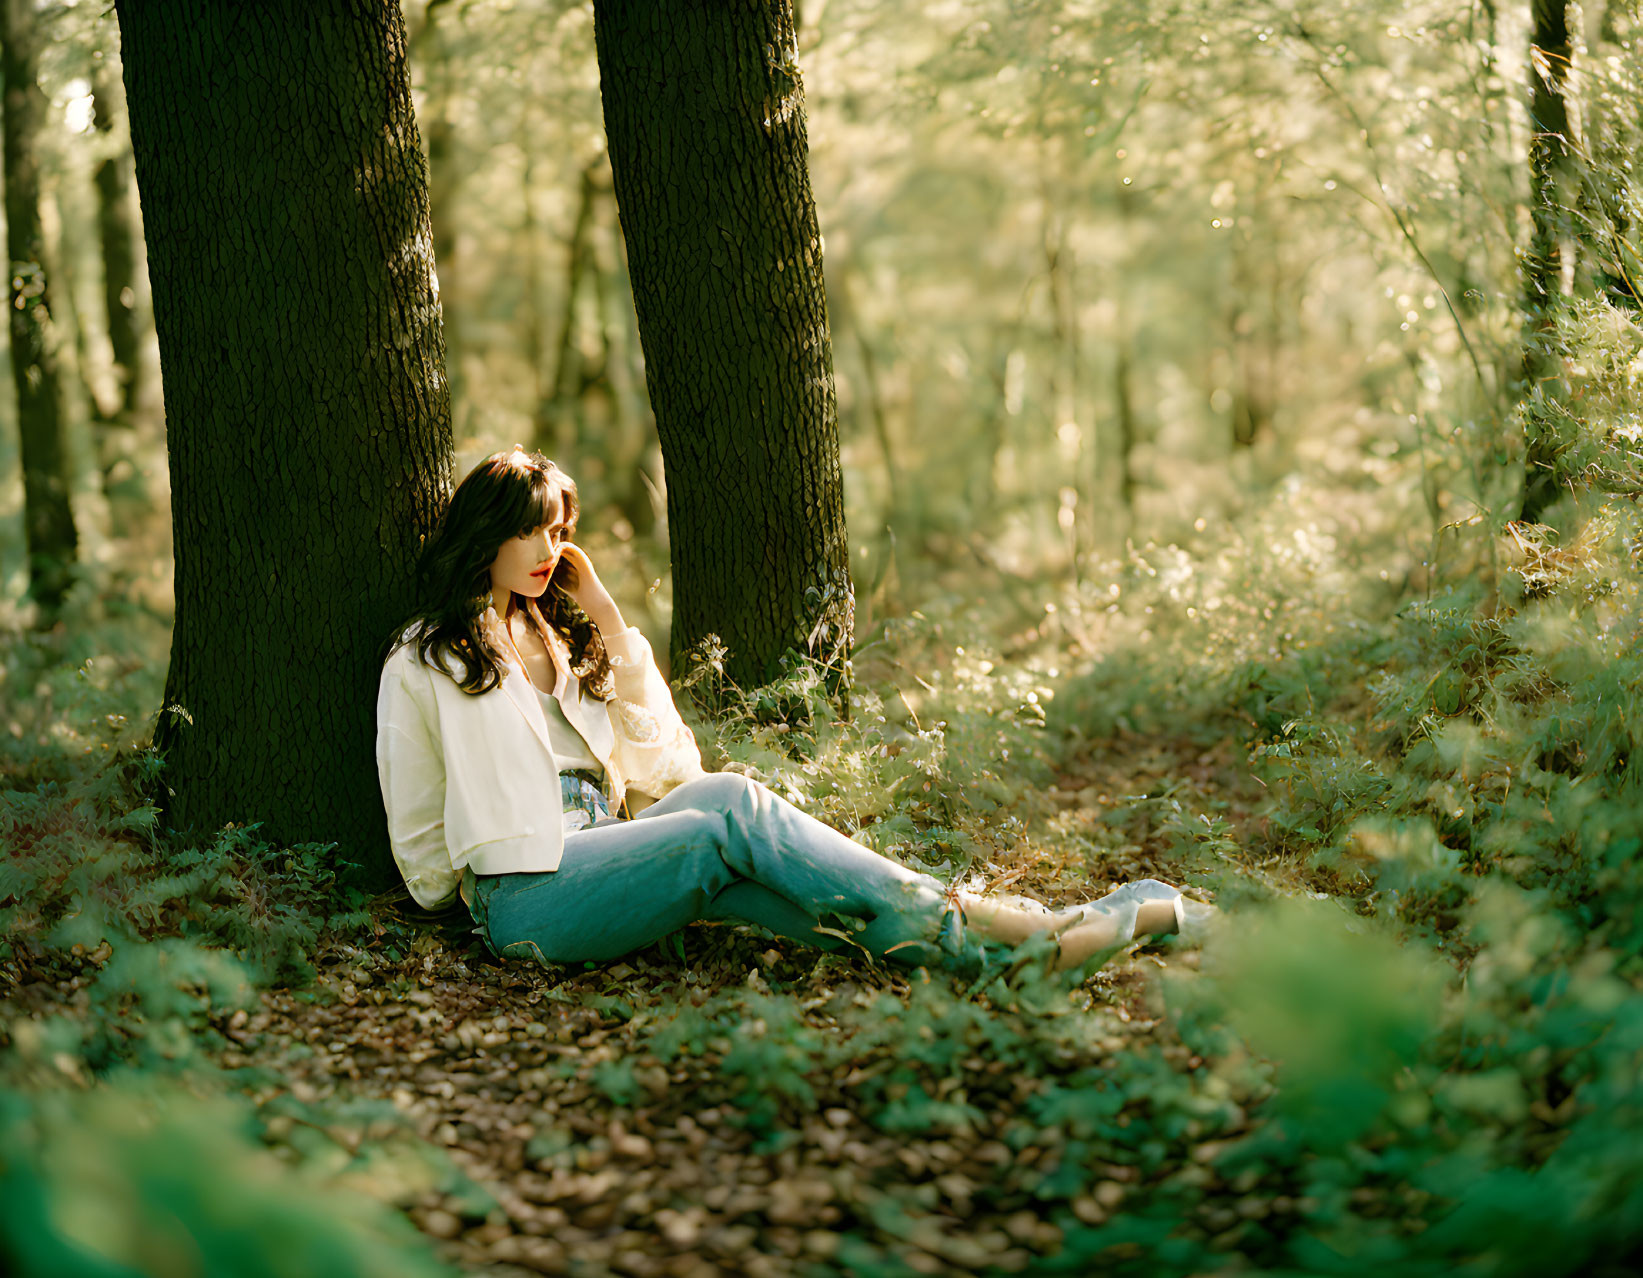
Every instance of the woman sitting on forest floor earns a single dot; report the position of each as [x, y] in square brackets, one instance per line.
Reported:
[518, 711]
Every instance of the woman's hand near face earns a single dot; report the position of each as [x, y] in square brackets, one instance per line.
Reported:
[576, 577]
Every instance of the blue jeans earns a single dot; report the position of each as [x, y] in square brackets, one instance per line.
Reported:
[719, 847]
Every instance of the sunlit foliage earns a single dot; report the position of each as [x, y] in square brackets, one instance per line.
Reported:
[1180, 353]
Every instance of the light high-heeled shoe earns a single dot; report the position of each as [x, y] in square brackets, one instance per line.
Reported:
[1123, 905]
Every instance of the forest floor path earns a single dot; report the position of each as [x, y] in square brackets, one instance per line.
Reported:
[580, 1134]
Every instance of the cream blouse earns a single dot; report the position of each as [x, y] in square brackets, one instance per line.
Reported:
[473, 780]
[570, 751]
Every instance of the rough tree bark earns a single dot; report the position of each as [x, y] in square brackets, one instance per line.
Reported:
[1550, 198]
[285, 198]
[48, 518]
[704, 111]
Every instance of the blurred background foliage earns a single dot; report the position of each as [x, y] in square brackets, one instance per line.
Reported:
[1187, 358]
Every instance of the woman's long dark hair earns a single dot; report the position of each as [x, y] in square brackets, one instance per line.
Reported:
[506, 495]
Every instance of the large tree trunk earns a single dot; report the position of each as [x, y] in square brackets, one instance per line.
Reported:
[48, 518]
[286, 202]
[1550, 199]
[704, 110]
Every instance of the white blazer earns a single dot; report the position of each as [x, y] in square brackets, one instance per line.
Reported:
[470, 780]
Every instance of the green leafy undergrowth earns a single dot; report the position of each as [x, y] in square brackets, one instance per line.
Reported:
[140, 1176]
[122, 953]
[942, 771]
[156, 931]
[1419, 1023]
[1461, 773]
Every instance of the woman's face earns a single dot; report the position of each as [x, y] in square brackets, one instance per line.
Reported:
[525, 564]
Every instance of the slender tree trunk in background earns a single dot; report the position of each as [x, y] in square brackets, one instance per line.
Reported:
[1489, 97]
[559, 413]
[1007, 371]
[1495, 131]
[1603, 223]
[1550, 197]
[874, 395]
[704, 110]
[639, 496]
[632, 429]
[118, 234]
[543, 438]
[59, 222]
[1059, 268]
[1129, 435]
[116, 226]
[1549, 167]
[48, 519]
[1123, 376]
[431, 50]
[61, 269]
[442, 199]
[1609, 26]
[1252, 397]
[848, 316]
[307, 410]
[1272, 331]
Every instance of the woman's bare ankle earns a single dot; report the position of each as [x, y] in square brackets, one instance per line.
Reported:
[1077, 945]
[1077, 940]
[1001, 921]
